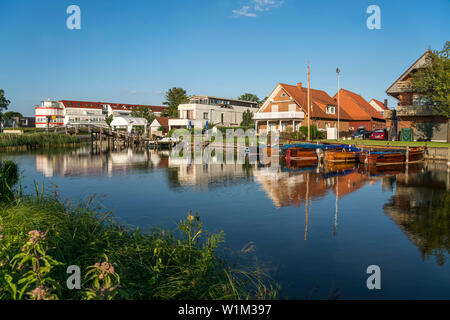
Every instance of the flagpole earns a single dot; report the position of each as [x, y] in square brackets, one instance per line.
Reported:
[309, 107]
[337, 72]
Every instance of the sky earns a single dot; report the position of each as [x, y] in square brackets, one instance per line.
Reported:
[133, 51]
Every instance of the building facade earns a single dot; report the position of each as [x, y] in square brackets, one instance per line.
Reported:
[73, 112]
[203, 110]
[412, 111]
[360, 113]
[287, 107]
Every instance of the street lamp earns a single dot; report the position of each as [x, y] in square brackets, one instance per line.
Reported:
[337, 73]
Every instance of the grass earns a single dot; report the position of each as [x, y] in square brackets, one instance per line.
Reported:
[34, 140]
[393, 143]
[41, 235]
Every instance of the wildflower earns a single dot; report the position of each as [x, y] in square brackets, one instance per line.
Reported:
[1, 236]
[39, 293]
[35, 236]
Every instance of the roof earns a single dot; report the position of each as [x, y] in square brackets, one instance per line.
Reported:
[125, 121]
[319, 101]
[219, 98]
[114, 106]
[356, 106]
[419, 63]
[380, 104]
[163, 121]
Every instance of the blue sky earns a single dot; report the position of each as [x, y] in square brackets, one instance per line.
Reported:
[133, 51]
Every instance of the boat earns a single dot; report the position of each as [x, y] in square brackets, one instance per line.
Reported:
[392, 156]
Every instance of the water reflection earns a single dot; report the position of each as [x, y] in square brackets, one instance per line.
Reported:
[420, 204]
[421, 208]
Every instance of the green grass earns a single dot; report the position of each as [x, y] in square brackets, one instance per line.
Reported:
[41, 235]
[392, 143]
[34, 140]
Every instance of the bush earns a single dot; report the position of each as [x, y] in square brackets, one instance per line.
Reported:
[8, 178]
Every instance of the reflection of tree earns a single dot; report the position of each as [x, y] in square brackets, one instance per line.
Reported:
[424, 215]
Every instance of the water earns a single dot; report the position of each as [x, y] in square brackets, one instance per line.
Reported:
[318, 228]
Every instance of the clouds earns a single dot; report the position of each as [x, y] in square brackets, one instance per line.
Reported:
[254, 7]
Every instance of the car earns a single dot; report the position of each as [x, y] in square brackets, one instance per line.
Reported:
[379, 134]
[361, 133]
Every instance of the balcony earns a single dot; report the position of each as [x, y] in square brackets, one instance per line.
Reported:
[410, 110]
[289, 115]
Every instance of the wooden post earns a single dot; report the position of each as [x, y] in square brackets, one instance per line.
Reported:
[407, 155]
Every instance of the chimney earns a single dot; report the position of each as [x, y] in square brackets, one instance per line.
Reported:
[385, 103]
[299, 85]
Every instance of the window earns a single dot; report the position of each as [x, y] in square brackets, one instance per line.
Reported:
[331, 109]
[283, 95]
[205, 115]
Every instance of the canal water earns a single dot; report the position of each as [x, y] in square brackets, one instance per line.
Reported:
[316, 229]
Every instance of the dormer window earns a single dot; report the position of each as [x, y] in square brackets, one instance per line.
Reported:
[331, 109]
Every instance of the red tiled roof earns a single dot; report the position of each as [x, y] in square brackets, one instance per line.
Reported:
[380, 104]
[319, 101]
[114, 106]
[356, 107]
[163, 121]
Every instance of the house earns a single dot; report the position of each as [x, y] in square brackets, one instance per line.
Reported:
[360, 112]
[206, 110]
[73, 112]
[379, 106]
[158, 123]
[412, 111]
[286, 107]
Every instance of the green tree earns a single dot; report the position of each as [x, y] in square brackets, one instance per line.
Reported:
[143, 112]
[109, 119]
[433, 81]
[249, 97]
[247, 118]
[4, 103]
[174, 97]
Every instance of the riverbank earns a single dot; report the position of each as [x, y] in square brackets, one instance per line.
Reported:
[37, 140]
[42, 235]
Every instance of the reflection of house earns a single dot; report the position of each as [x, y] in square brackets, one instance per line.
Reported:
[412, 112]
[83, 163]
[360, 112]
[206, 109]
[420, 208]
[206, 175]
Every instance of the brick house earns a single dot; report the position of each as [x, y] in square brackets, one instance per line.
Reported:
[411, 111]
[359, 111]
[287, 107]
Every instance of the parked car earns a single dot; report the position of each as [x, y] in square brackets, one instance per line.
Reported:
[379, 134]
[361, 133]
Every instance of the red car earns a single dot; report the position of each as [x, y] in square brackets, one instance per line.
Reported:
[379, 134]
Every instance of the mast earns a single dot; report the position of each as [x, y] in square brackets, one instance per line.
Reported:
[309, 106]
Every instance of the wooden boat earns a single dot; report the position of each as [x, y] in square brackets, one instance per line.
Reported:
[341, 156]
[391, 156]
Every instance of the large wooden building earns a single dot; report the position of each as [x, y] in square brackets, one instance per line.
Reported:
[412, 112]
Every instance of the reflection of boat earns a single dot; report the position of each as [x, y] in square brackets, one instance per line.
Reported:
[391, 156]
[298, 165]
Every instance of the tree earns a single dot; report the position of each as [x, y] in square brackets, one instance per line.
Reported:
[433, 81]
[109, 119]
[4, 103]
[249, 97]
[174, 97]
[247, 118]
[143, 112]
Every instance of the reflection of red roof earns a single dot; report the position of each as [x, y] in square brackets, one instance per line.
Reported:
[114, 106]
[355, 106]
[319, 101]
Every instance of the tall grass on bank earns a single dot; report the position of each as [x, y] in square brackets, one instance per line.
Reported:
[40, 236]
[34, 140]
